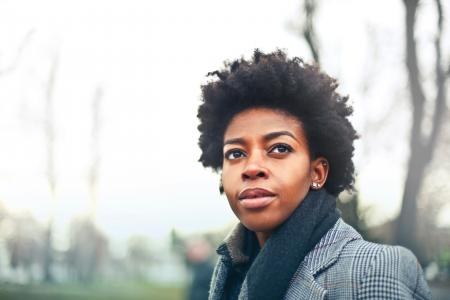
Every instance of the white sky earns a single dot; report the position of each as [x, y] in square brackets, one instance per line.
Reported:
[150, 58]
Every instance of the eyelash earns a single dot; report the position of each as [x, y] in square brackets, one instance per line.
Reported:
[288, 148]
[230, 152]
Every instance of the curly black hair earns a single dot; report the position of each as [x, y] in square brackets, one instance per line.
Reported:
[287, 84]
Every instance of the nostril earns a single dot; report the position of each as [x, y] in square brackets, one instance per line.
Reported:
[253, 174]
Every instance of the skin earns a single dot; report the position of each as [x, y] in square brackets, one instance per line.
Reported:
[267, 148]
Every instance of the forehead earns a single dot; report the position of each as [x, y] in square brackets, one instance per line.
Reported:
[260, 121]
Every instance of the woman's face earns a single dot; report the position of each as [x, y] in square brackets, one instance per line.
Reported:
[267, 170]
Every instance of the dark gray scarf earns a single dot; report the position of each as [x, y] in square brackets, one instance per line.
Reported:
[275, 265]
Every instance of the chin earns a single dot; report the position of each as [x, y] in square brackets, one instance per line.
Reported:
[258, 226]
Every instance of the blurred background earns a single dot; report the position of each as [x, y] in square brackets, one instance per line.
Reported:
[101, 194]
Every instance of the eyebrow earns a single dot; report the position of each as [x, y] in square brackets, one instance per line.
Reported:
[239, 141]
[273, 135]
[267, 137]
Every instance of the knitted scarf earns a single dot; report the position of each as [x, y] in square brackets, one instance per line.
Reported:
[275, 265]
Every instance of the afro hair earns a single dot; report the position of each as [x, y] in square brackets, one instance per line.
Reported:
[275, 81]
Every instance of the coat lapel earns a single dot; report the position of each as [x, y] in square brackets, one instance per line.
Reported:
[304, 286]
[327, 251]
[323, 256]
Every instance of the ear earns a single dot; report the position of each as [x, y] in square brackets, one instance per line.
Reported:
[319, 172]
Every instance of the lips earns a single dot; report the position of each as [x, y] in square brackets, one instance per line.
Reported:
[256, 198]
[255, 193]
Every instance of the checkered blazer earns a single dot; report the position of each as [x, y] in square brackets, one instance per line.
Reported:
[344, 266]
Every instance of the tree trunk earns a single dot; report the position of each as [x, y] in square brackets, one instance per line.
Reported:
[421, 147]
[51, 177]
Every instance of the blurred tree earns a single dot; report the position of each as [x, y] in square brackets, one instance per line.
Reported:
[139, 257]
[3, 212]
[95, 148]
[444, 261]
[87, 251]
[25, 245]
[352, 214]
[422, 146]
[306, 29]
[177, 243]
[434, 230]
[49, 128]
[309, 33]
[13, 64]
[48, 124]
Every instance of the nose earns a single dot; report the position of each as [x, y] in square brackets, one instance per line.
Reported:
[254, 169]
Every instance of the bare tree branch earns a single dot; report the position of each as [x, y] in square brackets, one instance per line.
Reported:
[439, 107]
[440, 16]
[308, 31]
[95, 147]
[50, 126]
[12, 66]
[417, 93]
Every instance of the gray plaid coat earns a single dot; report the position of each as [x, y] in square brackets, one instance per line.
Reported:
[343, 266]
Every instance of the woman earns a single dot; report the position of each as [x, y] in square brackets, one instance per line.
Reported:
[279, 133]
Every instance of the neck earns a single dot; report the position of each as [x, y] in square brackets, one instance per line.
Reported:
[262, 237]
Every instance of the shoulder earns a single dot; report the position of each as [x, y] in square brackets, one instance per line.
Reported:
[350, 267]
[390, 272]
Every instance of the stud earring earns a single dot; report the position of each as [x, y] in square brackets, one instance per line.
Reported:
[315, 185]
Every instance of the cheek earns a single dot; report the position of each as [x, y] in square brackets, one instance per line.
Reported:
[229, 181]
[295, 181]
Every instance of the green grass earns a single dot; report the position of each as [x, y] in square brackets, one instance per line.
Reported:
[125, 291]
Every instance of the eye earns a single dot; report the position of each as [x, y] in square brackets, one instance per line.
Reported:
[280, 148]
[234, 154]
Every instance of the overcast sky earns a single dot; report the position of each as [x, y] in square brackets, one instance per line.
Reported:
[150, 57]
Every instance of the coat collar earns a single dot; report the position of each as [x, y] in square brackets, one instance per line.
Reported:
[327, 251]
[232, 247]
[324, 254]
